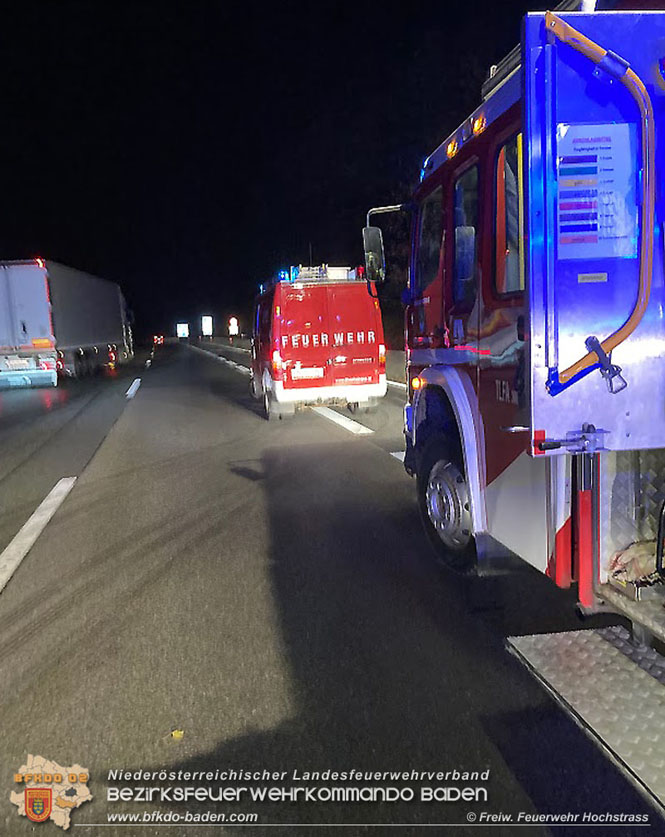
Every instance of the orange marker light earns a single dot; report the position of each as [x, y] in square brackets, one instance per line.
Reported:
[478, 124]
[451, 149]
[417, 383]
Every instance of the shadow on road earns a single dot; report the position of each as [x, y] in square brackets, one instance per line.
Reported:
[391, 667]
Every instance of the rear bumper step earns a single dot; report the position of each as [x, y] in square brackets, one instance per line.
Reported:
[614, 689]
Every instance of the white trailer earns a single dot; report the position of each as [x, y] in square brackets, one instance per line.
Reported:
[54, 319]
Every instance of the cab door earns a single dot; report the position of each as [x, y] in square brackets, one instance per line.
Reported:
[425, 326]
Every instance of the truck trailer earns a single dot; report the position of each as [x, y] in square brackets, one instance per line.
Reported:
[55, 320]
[535, 354]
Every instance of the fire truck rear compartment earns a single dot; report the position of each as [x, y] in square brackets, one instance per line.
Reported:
[631, 497]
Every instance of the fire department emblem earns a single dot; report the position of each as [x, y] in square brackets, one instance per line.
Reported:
[38, 802]
[46, 790]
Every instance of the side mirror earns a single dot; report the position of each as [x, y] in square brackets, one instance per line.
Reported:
[375, 260]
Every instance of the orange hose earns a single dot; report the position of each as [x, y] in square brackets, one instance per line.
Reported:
[568, 35]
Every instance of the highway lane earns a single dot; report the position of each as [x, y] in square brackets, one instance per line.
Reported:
[266, 588]
[48, 433]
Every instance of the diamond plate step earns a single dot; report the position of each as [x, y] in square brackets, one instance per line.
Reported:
[649, 613]
[614, 690]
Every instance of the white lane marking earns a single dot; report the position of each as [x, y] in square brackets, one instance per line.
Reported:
[398, 454]
[237, 366]
[347, 423]
[133, 389]
[25, 538]
[396, 384]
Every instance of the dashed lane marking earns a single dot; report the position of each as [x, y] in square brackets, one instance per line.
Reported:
[134, 388]
[347, 423]
[25, 538]
[397, 385]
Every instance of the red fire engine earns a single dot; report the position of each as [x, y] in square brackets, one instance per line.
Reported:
[535, 331]
[318, 338]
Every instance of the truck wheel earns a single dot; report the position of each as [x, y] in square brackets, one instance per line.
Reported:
[269, 407]
[443, 500]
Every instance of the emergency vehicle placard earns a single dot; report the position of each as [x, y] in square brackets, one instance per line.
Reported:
[597, 191]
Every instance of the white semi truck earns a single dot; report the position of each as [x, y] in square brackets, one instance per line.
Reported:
[55, 320]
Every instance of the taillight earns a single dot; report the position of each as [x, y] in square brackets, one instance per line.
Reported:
[382, 356]
[277, 365]
[47, 364]
[112, 356]
[59, 364]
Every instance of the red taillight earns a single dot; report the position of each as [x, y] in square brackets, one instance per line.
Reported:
[48, 364]
[382, 356]
[59, 365]
[277, 366]
[112, 356]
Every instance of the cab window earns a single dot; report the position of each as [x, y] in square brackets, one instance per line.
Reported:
[508, 266]
[465, 220]
[429, 239]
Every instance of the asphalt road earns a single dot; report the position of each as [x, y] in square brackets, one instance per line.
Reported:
[265, 588]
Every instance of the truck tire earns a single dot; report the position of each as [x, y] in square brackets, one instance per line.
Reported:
[252, 387]
[270, 410]
[444, 506]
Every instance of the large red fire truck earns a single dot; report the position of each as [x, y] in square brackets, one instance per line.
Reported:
[535, 322]
[535, 344]
[317, 339]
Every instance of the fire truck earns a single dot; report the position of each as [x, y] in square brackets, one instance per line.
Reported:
[535, 334]
[317, 339]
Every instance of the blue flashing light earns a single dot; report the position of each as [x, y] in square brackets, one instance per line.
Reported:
[295, 272]
[423, 170]
[283, 275]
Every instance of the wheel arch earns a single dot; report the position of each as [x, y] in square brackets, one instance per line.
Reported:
[459, 403]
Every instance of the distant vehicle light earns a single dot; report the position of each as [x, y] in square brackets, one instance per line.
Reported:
[182, 329]
[158, 339]
[234, 327]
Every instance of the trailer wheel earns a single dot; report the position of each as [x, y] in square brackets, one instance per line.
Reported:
[443, 500]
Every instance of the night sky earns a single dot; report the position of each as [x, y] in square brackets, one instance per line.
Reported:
[189, 150]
